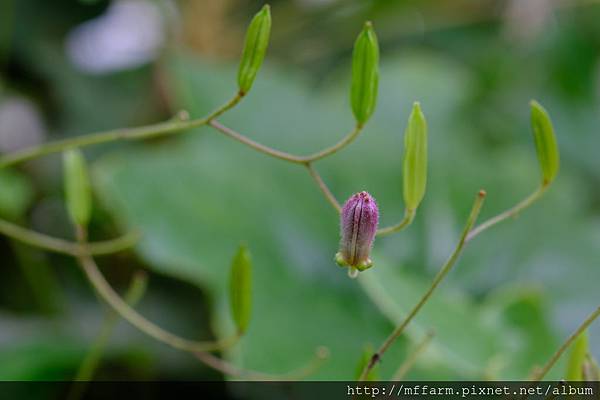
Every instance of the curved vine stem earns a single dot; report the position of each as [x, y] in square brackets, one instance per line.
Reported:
[323, 186]
[349, 138]
[511, 212]
[143, 132]
[540, 374]
[92, 359]
[255, 145]
[108, 294]
[409, 215]
[56, 245]
[321, 355]
[478, 203]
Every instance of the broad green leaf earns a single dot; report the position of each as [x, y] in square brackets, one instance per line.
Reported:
[207, 193]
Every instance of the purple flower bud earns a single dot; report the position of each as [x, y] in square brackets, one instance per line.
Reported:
[358, 227]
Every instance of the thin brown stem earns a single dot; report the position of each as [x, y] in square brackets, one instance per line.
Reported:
[171, 126]
[349, 138]
[94, 355]
[282, 155]
[57, 245]
[112, 298]
[255, 145]
[436, 281]
[412, 357]
[323, 186]
[541, 373]
[219, 364]
[409, 216]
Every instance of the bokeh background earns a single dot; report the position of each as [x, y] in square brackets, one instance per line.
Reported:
[69, 68]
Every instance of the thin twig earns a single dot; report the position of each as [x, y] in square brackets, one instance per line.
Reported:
[219, 364]
[255, 145]
[50, 243]
[412, 357]
[541, 373]
[93, 357]
[436, 281]
[323, 186]
[282, 155]
[349, 138]
[143, 132]
[108, 294]
[511, 212]
[409, 216]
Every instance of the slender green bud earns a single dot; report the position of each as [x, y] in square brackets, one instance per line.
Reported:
[365, 74]
[255, 48]
[415, 158]
[577, 358]
[78, 190]
[545, 142]
[240, 289]
[365, 359]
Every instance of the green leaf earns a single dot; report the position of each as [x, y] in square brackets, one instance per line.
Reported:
[240, 289]
[255, 48]
[77, 187]
[415, 158]
[206, 194]
[577, 358]
[545, 142]
[365, 74]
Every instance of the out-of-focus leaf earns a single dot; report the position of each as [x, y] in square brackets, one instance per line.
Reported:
[16, 194]
[206, 193]
[528, 336]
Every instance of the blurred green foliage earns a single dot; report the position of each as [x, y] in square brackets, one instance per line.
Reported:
[517, 290]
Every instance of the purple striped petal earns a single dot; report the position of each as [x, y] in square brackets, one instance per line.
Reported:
[359, 220]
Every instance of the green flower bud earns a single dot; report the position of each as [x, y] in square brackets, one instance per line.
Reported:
[365, 74]
[364, 360]
[78, 191]
[577, 358]
[240, 289]
[255, 48]
[545, 142]
[415, 158]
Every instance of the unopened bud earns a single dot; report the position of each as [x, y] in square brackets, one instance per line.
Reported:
[365, 74]
[545, 142]
[415, 158]
[359, 220]
[240, 289]
[77, 187]
[255, 48]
